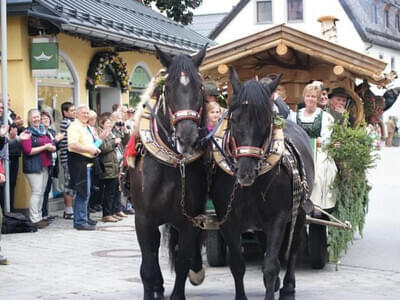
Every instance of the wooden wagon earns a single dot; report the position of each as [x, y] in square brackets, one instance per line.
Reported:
[302, 58]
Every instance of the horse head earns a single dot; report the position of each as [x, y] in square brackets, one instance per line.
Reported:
[184, 98]
[250, 125]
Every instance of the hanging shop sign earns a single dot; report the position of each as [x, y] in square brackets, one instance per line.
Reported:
[104, 64]
[44, 57]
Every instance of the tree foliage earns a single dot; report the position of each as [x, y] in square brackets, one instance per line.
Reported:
[354, 157]
[178, 10]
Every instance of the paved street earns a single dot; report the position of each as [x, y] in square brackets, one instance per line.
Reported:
[61, 263]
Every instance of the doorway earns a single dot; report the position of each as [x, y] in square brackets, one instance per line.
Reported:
[103, 98]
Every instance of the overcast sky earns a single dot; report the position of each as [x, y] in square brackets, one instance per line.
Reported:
[215, 6]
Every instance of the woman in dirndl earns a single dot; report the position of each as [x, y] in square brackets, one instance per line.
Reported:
[318, 125]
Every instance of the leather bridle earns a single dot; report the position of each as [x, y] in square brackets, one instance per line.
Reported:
[180, 115]
[185, 114]
[236, 151]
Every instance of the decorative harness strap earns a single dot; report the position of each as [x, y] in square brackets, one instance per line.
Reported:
[148, 131]
[185, 114]
[269, 157]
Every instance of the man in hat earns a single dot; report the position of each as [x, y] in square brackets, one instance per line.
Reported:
[324, 99]
[337, 104]
[212, 91]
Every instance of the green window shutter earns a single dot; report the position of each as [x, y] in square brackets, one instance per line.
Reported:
[139, 78]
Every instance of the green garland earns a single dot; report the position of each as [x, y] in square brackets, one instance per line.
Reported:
[100, 62]
[354, 157]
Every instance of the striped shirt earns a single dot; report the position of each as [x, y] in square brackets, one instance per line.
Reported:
[64, 142]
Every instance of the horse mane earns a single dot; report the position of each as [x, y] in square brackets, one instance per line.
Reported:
[254, 97]
[144, 97]
[183, 63]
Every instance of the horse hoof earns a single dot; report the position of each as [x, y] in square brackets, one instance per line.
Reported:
[158, 296]
[287, 294]
[197, 278]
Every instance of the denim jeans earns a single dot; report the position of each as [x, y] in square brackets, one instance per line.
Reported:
[80, 203]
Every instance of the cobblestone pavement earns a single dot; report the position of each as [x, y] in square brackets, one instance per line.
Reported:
[59, 262]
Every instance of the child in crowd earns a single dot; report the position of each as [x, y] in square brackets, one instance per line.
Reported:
[214, 111]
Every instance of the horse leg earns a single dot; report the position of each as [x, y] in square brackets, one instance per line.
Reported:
[237, 263]
[150, 272]
[196, 271]
[186, 248]
[289, 283]
[271, 267]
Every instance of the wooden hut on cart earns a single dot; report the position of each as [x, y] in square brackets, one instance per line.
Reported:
[302, 58]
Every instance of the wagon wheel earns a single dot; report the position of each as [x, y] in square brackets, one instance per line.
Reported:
[317, 242]
[216, 249]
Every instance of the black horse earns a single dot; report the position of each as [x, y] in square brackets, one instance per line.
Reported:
[250, 200]
[172, 191]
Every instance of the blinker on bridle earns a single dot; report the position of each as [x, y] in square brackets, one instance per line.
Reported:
[249, 151]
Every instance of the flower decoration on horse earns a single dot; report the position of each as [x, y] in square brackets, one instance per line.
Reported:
[107, 61]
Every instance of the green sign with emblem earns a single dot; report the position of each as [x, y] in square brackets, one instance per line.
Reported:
[44, 56]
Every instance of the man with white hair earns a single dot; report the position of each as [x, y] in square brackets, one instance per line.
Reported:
[81, 151]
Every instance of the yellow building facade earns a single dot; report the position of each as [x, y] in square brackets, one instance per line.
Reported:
[27, 92]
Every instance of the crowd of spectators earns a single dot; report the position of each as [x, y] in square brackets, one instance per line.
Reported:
[85, 140]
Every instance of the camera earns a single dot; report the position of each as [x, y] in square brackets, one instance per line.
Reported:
[119, 123]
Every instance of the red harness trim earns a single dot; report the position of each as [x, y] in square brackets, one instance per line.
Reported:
[185, 114]
[246, 151]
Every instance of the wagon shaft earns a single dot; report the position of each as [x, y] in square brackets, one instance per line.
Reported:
[346, 225]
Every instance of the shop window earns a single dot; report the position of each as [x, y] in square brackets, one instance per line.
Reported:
[264, 11]
[295, 10]
[53, 91]
[140, 78]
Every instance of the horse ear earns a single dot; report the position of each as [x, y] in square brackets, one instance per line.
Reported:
[274, 84]
[235, 81]
[198, 58]
[164, 58]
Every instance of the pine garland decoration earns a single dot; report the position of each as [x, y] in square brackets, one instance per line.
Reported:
[117, 67]
[354, 157]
